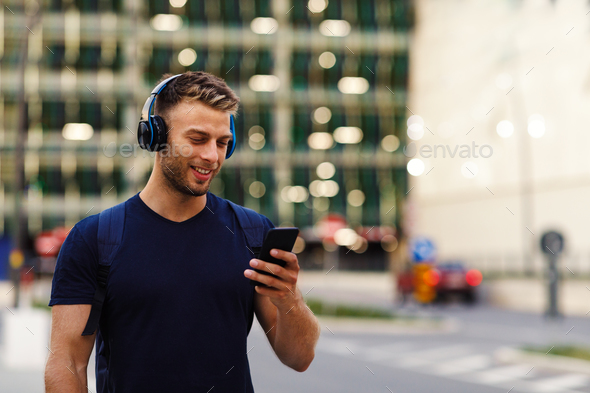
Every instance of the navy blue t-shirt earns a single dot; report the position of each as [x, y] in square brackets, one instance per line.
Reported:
[178, 308]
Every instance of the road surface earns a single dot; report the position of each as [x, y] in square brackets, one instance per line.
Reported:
[454, 361]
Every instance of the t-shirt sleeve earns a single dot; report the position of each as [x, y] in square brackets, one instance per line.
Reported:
[74, 279]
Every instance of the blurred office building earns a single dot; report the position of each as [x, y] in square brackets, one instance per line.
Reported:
[323, 108]
[504, 89]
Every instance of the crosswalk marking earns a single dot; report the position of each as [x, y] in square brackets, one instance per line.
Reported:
[382, 353]
[422, 358]
[463, 365]
[561, 382]
[504, 373]
[459, 362]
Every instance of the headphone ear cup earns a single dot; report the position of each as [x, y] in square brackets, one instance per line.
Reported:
[160, 133]
[230, 149]
[144, 135]
[231, 145]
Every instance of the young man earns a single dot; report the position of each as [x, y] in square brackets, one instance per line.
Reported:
[179, 304]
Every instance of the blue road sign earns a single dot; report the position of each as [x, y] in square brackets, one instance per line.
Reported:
[422, 250]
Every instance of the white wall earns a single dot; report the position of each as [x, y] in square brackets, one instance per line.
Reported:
[458, 50]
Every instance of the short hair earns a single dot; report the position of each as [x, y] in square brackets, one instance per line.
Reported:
[196, 86]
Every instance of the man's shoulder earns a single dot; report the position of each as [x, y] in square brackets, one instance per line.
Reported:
[88, 226]
[225, 204]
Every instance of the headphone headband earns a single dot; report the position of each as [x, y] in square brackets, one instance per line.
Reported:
[153, 126]
[147, 107]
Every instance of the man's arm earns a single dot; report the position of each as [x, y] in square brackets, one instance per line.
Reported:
[291, 328]
[65, 371]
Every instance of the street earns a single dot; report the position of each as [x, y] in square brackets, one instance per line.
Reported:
[456, 359]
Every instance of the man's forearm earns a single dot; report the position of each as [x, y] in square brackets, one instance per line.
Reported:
[61, 376]
[297, 333]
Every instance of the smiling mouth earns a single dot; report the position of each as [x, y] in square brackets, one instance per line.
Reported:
[201, 170]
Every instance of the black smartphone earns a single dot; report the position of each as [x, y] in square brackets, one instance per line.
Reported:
[280, 238]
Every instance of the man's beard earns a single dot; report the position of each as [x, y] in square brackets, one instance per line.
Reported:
[174, 171]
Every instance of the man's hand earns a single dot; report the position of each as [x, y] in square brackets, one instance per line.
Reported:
[290, 326]
[282, 290]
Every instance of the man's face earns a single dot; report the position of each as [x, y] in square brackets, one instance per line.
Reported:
[198, 137]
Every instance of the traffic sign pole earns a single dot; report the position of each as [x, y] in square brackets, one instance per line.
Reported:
[423, 254]
[552, 311]
[552, 246]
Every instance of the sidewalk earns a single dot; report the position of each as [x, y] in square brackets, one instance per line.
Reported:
[359, 288]
[377, 289]
[531, 295]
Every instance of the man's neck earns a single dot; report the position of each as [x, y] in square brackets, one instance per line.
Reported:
[170, 203]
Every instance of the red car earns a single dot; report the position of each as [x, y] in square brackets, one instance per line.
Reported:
[453, 278]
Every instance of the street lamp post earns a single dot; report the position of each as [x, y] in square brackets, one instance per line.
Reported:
[21, 227]
[527, 209]
[505, 130]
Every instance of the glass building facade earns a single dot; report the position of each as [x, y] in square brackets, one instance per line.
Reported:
[333, 84]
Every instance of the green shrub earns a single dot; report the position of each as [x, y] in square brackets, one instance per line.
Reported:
[571, 351]
[340, 310]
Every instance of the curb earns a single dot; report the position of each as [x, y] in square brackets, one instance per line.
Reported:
[554, 362]
[399, 326]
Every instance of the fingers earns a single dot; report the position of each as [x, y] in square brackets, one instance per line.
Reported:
[286, 277]
[282, 287]
[272, 268]
[265, 279]
[286, 256]
[286, 273]
[275, 288]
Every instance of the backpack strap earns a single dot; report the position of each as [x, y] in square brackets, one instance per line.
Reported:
[253, 227]
[251, 223]
[110, 233]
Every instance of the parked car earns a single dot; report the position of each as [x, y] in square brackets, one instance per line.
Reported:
[454, 279]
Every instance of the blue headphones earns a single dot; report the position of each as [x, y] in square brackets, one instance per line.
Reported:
[152, 133]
